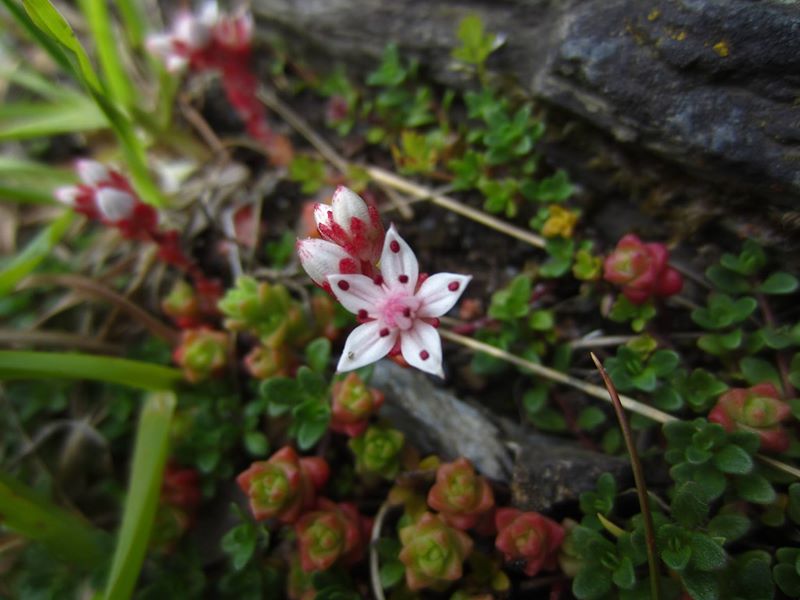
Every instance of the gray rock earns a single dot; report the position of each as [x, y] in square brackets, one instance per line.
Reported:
[436, 422]
[710, 85]
[549, 472]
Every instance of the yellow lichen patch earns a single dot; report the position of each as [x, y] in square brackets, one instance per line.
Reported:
[680, 36]
[722, 48]
[654, 14]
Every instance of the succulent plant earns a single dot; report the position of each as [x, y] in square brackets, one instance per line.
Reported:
[528, 537]
[460, 495]
[283, 486]
[332, 533]
[641, 270]
[758, 409]
[353, 404]
[181, 305]
[433, 552]
[202, 353]
[378, 451]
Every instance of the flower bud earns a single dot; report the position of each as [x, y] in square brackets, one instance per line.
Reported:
[202, 353]
[758, 409]
[91, 172]
[321, 258]
[528, 537]
[460, 495]
[334, 533]
[351, 224]
[353, 404]
[433, 552]
[283, 486]
[377, 451]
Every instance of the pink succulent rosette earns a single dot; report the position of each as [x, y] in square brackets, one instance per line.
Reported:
[528, 537]
[202, 353]
[433, 552]
[284, 486]
[353, 404]
[758, 409]
[334, 533]
[641, 270]
[105, 195]
[460, 495]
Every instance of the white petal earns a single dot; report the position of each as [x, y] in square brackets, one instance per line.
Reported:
[422, 340]
[357, 292]
[398, 263]
[175, 63]
[91, 172]
[437, 296]
[67, 194]
[365, 345]
[159, 44]
[321, 212]
[321, 258]
[208, 14]
[113, 204]
[189, 30]
[346, 205]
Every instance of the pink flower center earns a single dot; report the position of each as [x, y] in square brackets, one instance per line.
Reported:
[398, 311]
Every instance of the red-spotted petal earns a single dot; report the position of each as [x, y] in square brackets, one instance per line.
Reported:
[91, 172]
[346, 204]
[440, 292]
[357, 293]
[421, 347]
[365, 345]
[399, 266]
[114, 205]
[321, 258]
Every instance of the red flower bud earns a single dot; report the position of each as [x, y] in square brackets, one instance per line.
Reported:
[758, 409]
[460, 495]
[641, 270]
[353, 404]
[333, 533]
[283, 486]
[528, 537]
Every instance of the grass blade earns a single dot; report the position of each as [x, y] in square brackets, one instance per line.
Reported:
[141, 502]
[31, 182]
[18, 364]
[100, 23]
[34, 253]
[19, 121]
[64, 534]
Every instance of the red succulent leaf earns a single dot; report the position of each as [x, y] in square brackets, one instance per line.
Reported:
[528, 537]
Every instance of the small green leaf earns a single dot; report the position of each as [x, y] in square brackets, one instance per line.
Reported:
[240, 544]
[592, 582]
[624, 576]
[701, 585]
[688, 507]
[707, 555]
[779, 283]
[590, 418]
[729, 526]
[513, 301]
[755, 488]
[733, 459]
[318, 352]
[391, 573]
[256, 443]
[663, 362]
[758, 370]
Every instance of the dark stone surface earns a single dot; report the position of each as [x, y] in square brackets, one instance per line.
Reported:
[710, 85]
[434, 421]
[549, 472]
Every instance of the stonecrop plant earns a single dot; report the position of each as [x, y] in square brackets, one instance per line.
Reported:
[225, 375]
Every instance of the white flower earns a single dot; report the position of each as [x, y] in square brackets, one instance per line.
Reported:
[113, 204]
[349, 222]
[190, 32]
[395, 310]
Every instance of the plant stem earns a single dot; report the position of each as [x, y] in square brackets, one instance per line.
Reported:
[641, 485]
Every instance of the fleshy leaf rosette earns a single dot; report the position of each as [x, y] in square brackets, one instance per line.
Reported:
[758, 409]
[202, 353]
[460, 495]
[528, 537]
[182, 306]
[433, 552]
[332, 533]
[283, 486]
[378, 450]
[353, 404]
[641, 270]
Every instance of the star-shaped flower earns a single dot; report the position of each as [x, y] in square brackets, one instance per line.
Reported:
[396, 309]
